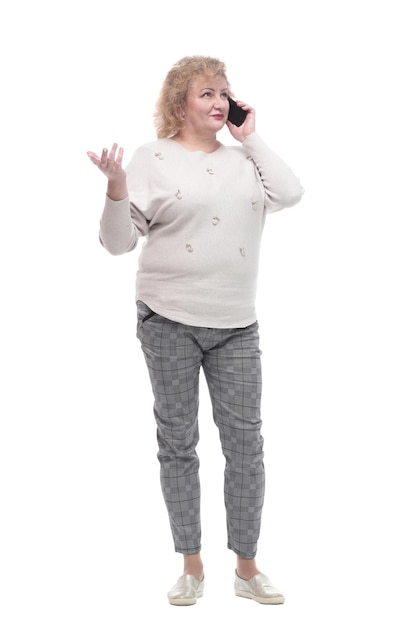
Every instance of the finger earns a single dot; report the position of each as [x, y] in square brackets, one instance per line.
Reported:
[112, 154]
[103, 160]
[95, 160]
[245, 106]
[120, 156]
[93, 156]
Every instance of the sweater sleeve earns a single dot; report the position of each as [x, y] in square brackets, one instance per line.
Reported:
[123, 222]
[282, 187]
[118, 233]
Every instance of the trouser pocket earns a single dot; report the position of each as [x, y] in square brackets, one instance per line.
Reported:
[144, 313]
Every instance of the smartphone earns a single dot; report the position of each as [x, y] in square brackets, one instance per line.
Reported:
[236, 115]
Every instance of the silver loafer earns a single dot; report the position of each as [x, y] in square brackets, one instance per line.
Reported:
[258, 588]
[186, 591]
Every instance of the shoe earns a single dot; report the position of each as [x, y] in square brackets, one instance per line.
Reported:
[258, 588]
[186, 591]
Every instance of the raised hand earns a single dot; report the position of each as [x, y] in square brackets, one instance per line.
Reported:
[110, 163]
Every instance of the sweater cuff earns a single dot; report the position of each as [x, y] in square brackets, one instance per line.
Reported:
[114, 204]
[254, 142]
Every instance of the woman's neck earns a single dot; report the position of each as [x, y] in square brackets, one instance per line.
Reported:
[195, 143]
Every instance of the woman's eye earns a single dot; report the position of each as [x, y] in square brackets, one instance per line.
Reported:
[225, 95]
[206, 94]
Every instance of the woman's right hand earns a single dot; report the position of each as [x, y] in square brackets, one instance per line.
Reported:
[110, 163]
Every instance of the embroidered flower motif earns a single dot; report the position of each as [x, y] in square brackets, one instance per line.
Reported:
[179, 194]
[254, 203]
[242, 251]
[209, 171]
[159, 155]
[189, 247]
[215, 221]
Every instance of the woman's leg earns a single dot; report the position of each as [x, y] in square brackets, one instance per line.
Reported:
[233, 373]
[173, 361]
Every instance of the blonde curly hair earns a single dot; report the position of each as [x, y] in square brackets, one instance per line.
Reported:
[173, 95]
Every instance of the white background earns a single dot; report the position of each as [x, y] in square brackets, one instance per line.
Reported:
[84, 532]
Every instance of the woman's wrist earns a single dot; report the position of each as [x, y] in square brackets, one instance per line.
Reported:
[117, 189]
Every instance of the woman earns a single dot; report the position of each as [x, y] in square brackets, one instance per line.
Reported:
[201, 207]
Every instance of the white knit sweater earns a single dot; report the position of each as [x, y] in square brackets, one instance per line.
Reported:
[202, 215]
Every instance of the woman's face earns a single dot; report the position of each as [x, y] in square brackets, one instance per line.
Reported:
[207, 106]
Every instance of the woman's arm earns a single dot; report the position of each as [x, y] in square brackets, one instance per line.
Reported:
[282, 187]
[117, 231]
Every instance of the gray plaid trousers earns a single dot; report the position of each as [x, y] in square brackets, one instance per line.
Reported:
[230, 359]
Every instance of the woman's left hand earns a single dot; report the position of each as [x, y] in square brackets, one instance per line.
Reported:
[241, 132]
